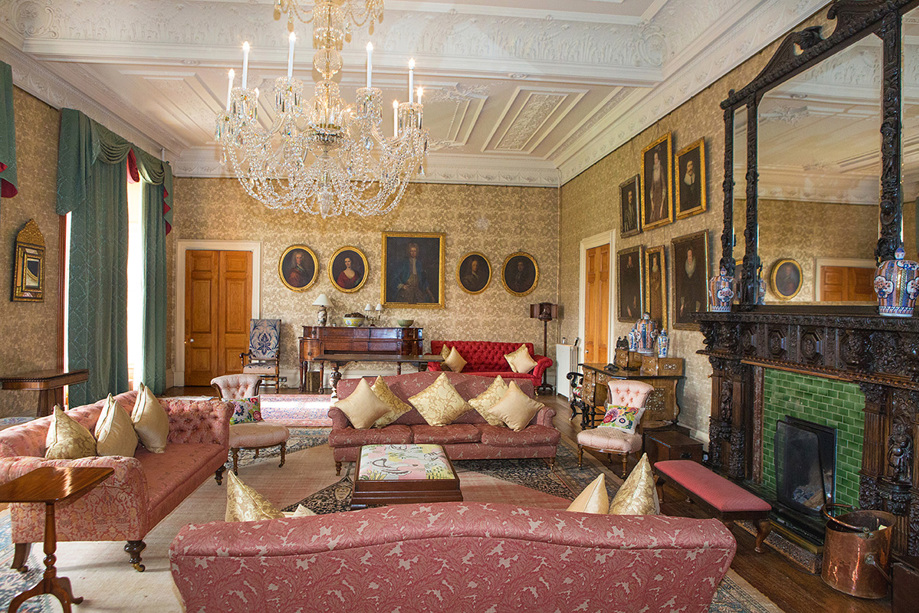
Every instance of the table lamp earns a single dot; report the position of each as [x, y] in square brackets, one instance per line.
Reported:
[379, 310]
[322, 302]
[544, 312]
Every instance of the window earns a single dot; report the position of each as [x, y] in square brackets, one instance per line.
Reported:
[135, 283]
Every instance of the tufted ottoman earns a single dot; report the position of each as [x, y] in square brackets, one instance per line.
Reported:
[258, 435]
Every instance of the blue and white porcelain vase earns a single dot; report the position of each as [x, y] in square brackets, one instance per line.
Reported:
[663, 344]
[645, 332]
[897, 286]
[720, 292]
[633, 341]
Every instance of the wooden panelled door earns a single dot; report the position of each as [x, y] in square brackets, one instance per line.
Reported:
[596, 312]
[847, 284]
[218, 307]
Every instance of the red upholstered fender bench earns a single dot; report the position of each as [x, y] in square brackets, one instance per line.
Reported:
[716, 495]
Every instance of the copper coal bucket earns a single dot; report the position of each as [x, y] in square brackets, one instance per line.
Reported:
[856, 551]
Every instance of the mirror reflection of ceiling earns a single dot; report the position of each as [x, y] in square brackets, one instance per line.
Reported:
[518, 92]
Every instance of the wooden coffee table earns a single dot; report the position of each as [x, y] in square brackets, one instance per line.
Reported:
[404, 474]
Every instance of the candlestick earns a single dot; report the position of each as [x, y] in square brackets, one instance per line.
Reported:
[369, 62]
[245, 63]
[231, 75]
[411, 80]
[395, 118]
[290, 55]
[420, 92]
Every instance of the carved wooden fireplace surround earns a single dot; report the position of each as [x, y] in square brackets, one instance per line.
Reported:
[879, 354]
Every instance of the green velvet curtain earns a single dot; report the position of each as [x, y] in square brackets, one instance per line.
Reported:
[8, 181]
[92, 185]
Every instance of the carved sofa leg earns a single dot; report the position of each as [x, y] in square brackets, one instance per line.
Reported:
[337, 468]
[134, 548]
[218, 475]
[21, 557]
[580, 455]
[283, 453]
[235, 453]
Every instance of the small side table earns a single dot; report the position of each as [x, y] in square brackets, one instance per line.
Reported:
[51, 485]
[672, 445]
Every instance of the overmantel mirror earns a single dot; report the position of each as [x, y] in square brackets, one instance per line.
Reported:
[822, 159]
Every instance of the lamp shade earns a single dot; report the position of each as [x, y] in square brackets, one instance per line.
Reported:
[322, 301]
[544, 311]
[379, 307]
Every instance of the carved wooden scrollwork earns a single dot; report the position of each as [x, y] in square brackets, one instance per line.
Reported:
[776, 344]
[811, 346]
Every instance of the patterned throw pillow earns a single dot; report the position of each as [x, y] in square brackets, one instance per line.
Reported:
[520, 360]
[247, 410]
[439, 403]
[445, 353]
[622, 418]
[397, 408]
[363, 408]
[637, 496]
[67, 438]
[489, 398]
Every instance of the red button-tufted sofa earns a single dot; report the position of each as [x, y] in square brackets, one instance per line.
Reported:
[470, 437]
[486, 359]
[141, 492]
[453, 556]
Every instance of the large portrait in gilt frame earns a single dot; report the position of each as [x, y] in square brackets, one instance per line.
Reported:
[628, 282]
[629, 208]
[690, 180]
[655, 286]
[413, 269]
[657, 183]
[348, 269]
[298, 268]
[690, 278]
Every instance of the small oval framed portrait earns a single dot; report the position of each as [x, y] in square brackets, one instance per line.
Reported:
[473, 273]
[348, 269]
[520, 274]
[786, 279]
[298, 268]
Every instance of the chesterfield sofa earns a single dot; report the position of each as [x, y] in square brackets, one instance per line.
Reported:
[486, 359]
[469, 437]
[141, 492]
[452, 556]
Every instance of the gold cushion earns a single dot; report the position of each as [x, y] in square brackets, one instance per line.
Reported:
[363, 407]
[67, 438]
[637, 496]
[151, 423]
[245, 504]
[397, 408]
[520, 360]
[300, 511]
[455, 361]
[114, 431]
[439, 403]
[593, 499]
[489, 398]
[515, 408]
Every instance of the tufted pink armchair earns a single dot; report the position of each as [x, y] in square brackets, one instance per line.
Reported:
[612, 440]
[232, 387]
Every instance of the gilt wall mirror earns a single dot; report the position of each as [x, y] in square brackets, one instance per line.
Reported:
[29, 265]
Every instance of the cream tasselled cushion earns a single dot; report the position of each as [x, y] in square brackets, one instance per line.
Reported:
[455, 361]
[67, 438]
[114, 431]
[516, 409]
[439, 403]
[484, 402]
[363, 407]
[593, 499]
[637, 496]
[520, 360]
[151, 423]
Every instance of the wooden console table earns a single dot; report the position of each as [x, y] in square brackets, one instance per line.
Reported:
[330, 343]
[662, 408]
[49, 384]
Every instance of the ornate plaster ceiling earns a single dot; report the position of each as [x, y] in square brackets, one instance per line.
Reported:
[518, 92]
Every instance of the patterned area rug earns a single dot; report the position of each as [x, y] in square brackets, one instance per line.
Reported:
[303, 410]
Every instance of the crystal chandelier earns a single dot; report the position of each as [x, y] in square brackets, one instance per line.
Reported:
[320, 155]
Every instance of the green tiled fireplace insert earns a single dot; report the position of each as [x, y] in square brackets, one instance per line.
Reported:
[823, 401]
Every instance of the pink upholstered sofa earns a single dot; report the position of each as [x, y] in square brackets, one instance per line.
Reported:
[142, 490]
[486, 359]
[454, 556]
[470, 437]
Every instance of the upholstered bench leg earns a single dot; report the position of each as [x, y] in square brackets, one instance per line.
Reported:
[235, 453]
[763, 528]
[337, 468]
[283, 453]
[218, 475]
[256, 454]
[21, 557]
[134, 548]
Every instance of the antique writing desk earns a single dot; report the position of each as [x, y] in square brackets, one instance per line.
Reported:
[662, 408]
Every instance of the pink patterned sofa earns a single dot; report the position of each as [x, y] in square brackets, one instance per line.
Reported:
[470, 437]
[141, 492]
[486, 359]
[453, 556]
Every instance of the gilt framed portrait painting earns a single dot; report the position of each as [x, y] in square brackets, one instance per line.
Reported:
[298, 268]
[413, 269]
[657, 183]
[628, 281]
[348, 269]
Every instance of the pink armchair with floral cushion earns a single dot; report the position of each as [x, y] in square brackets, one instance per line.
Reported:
[142, 490]
[626, 393]
[454, 556]
[486, 359]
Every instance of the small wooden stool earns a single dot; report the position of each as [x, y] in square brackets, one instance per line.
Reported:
[258, 435]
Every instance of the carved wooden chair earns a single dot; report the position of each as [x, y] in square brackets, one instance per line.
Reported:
[263, 357]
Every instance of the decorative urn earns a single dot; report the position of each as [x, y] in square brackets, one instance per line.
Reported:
[897, 285]
[720, 292]
[645, 333]
[663, 344]
[633, 341]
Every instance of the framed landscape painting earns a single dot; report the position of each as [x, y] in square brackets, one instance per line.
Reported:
[629, 208]
[657, 183]
[628, 282]
[656, 285]
[413, 269]
[690, 180]
[690, 278]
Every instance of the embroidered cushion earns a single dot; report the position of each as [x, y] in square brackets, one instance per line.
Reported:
[515, 408]
[245, 504]
[439, 403]
[363, 407]
[455, 361]
[484, 402]
[114, 431]
[622, 418]
[67, 438]
[397, 408]
[151, 423]
[520, 360]
[637, 496]
[593, 499]
[246, 410]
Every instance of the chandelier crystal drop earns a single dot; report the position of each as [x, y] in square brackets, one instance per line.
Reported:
[319, 155]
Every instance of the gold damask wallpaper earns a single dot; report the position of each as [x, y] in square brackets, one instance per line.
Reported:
[29, 329]
[495, 221]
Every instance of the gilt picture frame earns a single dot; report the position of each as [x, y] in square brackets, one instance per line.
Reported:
[473, 273]
[29, 265]
[689, 255]
[413, 270]
[298, 268]
[520, 273]
[657, 183]
[691, 180]
[786, 279]
[348, 269]
[629, 275]
[630, 207]
[655, 284]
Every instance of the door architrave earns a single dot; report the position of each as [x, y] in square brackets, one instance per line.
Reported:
[589, 243]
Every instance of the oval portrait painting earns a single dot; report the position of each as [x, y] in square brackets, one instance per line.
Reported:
[787, 279]
[348, 269]
[473, 273]
[520, 274]
[298, 268]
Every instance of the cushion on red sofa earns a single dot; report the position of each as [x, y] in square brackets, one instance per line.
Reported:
[534, 434]
[714, 489]
[482, 356]
[351, 437]
[445, 435]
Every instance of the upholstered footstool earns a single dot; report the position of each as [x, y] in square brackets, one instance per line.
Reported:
[258, 435]
[610, 441]
[404, 474]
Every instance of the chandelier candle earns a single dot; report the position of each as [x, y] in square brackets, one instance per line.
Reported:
[369, 62]
[290, 55]
[245, 62]
[395, 119]
[411, 80]
[231, 75]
